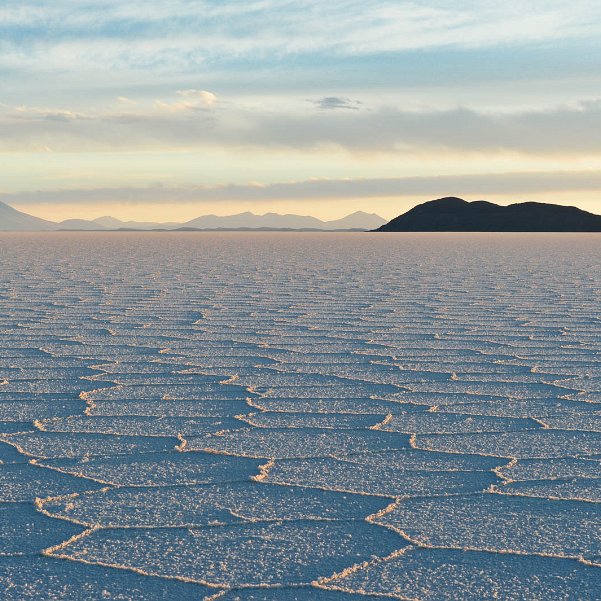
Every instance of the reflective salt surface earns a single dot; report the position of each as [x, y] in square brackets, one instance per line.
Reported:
[331, 417]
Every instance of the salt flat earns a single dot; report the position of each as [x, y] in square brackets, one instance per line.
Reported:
[300, 416]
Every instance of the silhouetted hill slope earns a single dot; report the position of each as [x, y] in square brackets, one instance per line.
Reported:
[457, 215]
[13, 220]
[360, 220]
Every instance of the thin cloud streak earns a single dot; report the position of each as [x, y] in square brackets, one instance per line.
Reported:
[470, 185]
[197, 121]
[334, 102]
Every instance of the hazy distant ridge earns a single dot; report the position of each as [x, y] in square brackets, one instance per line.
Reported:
[358, 220]
[13, 220]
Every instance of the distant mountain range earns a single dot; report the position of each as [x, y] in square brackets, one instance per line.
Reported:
[356, 221]
[13, 220]
[442, 215]
[457, 215]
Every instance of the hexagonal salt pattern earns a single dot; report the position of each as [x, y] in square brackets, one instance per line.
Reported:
[300, 417]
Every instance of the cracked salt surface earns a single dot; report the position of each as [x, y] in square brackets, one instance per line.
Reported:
[234, 503]
[242, 555]
[507, 524]
[445, 574]
[37, 577]
[578, 489]
[300, 417]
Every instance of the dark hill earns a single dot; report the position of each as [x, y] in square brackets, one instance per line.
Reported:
[457, 215]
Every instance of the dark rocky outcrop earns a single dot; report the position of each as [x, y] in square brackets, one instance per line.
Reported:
[457, 215]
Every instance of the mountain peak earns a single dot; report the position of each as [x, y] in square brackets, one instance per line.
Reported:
[448, 203]
[108, 221]
[362, 214]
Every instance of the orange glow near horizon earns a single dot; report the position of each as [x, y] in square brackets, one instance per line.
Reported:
[325, 209]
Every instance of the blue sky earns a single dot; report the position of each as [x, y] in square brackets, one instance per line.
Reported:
[154, 109]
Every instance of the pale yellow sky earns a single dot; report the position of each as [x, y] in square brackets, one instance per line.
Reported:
[168, 185]
[324, 208]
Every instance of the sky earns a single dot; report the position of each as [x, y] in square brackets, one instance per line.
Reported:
[168, 110]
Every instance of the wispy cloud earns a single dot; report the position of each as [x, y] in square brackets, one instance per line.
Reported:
[192, 100]
[184, 33]
[34, 113]
[125, 100]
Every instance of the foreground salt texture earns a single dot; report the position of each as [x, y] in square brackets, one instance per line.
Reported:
[300, 417]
